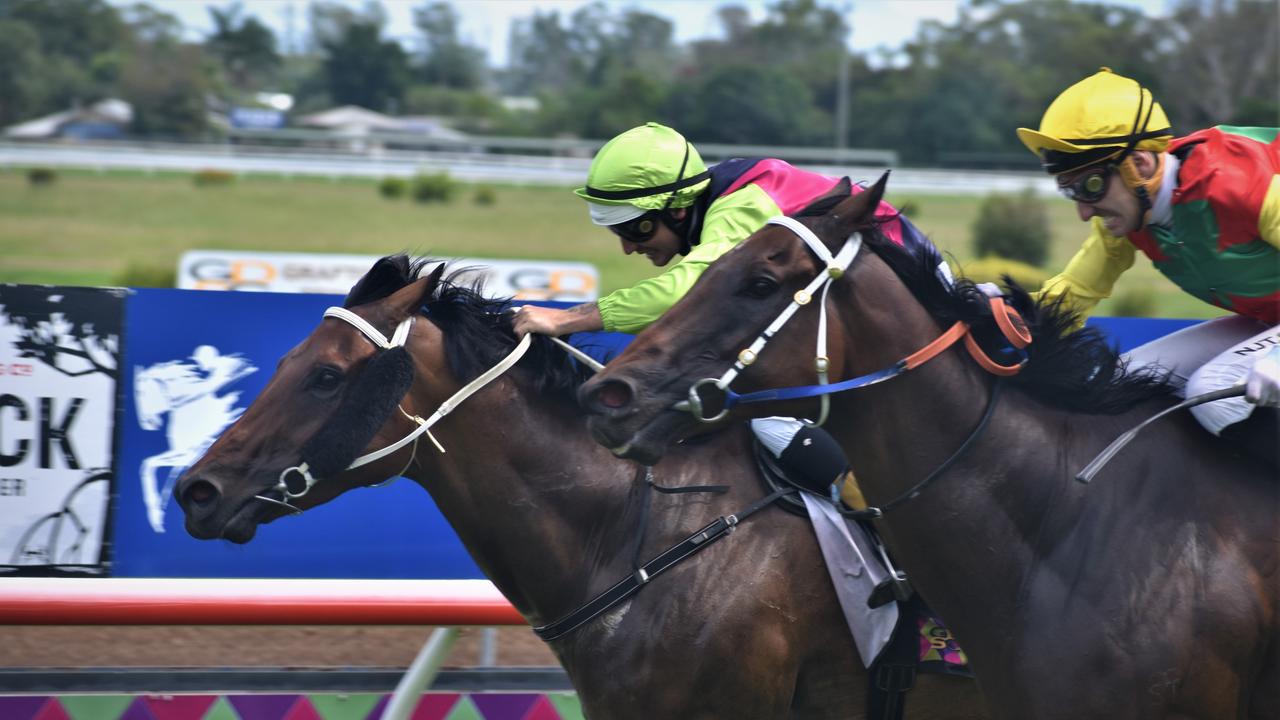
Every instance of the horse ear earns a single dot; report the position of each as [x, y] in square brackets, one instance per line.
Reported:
[407, 300]
[860, 209]
[434, 278]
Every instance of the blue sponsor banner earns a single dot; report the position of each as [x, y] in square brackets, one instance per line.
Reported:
[1129, 333]
[249, 118]
[194, 360]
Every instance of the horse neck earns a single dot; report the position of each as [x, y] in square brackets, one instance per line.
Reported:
[898, 432]
[541, 508]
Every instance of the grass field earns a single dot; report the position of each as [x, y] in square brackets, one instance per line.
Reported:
[121, 228]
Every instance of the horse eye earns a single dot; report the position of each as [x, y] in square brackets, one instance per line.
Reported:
[760, 287]
[325, 381]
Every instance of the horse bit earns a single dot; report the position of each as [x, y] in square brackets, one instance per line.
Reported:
[297, 481]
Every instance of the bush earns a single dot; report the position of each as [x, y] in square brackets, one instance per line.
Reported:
[212, 178]
[993, 269]
[39, 176]
[147, 276]
[485, 195]
[1014, 227]
[393, 187]
[437, 187]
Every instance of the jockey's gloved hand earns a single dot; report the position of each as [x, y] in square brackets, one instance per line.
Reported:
[1262, 387]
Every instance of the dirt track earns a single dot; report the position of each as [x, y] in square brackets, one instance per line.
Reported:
[298, 646]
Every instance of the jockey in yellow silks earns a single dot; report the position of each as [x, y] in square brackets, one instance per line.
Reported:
[1205, 208]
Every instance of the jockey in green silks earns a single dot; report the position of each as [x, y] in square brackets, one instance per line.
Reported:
[1205, 208]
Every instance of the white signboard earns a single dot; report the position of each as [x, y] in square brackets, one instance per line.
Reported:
[323, 273]
[59, 360]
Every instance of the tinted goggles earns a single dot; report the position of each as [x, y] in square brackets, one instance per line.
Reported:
[639, 230]
[1089, 187]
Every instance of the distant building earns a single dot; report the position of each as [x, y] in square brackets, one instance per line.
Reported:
[351, 120]
[355, 121]
[104, 120]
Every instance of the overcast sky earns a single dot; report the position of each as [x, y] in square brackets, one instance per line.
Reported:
[485, 23]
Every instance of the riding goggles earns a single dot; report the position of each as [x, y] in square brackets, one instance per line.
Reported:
[1089, 187]
[638, 230]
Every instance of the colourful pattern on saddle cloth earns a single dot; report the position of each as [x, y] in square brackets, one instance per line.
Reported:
[939, 652]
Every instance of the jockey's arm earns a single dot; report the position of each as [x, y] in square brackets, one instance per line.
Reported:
[1092, 273]
[556, 322]
[1269, 216]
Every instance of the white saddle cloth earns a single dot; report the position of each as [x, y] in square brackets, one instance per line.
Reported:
[855, 572]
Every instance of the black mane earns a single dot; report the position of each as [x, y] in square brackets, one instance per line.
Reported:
[477, 331]
[1076, 370]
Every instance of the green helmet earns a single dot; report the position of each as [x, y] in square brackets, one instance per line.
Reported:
[650, 167]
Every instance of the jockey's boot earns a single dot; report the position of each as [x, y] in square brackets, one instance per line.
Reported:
[1257, 436]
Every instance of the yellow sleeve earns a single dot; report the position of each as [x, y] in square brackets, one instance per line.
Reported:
[1091, 274]
[1269, 217]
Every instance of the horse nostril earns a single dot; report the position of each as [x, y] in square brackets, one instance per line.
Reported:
[201, 493]
[614, 395]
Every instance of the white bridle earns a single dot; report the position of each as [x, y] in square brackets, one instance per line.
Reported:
[835, 267]
[398, 339]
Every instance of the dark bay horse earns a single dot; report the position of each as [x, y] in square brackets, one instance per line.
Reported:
[1151, 593]
[748, 628]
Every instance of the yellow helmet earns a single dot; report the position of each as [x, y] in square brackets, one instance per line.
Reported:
[1102, 117]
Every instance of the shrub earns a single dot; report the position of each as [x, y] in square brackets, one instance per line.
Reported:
[212, 178]
[993, 269]
[1014, 227]
[38, 176]
[436, 187]
[485, 195]
[1134, 302]
[147, 275]
[393, 187]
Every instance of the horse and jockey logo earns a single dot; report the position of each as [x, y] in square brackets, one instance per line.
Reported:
[185, 399]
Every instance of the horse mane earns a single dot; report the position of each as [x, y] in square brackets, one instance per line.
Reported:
[1074, 370]
[477, 330]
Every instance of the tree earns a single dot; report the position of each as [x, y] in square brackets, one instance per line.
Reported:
[446, 59]
[78, 43]
[21, 91]
[360, 68]
[542, 55]
[166, 84]
[1227, 79]
[76, 29]
[245, 47]
[748, 104]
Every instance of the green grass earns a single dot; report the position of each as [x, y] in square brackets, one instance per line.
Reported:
[96, 229]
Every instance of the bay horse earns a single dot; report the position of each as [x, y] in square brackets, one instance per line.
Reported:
[1151, 593]
[749, 628]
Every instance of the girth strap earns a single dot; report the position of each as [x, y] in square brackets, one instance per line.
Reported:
[633, 583]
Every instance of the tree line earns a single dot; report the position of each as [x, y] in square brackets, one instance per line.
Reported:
[952, 95]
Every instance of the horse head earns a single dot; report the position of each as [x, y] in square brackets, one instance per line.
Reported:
[638, 403]
[332, 397]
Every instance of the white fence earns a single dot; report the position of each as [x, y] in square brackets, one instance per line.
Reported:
[374, 162]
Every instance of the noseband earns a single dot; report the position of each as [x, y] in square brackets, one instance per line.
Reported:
[297, 481]
[1007, 319]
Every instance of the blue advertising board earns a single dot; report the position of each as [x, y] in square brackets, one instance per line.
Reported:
[193, 361]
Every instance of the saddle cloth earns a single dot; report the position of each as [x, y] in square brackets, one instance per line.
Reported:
[855, 572]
